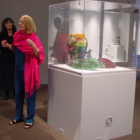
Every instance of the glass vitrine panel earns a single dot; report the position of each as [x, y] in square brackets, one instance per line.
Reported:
[88, 37]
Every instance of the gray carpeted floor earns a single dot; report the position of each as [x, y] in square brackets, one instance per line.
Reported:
[40, 129]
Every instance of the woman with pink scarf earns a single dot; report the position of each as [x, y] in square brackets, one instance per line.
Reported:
[29, 54]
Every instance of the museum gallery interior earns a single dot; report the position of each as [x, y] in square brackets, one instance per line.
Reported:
[92, 89]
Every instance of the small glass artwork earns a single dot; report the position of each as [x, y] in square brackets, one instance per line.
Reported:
[118, 41]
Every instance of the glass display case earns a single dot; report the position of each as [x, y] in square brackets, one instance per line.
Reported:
[92, 57]
[87, 37]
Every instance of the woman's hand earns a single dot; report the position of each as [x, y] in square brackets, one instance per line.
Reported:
[30, 43]
[35, 49]
[4, 43]
[7, 45]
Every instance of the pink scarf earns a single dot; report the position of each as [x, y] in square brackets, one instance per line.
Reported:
[31, 68]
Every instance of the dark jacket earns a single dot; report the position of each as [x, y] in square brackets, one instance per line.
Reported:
[7, 64]
[6, 56]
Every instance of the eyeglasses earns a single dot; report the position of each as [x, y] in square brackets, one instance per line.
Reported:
[22, 22]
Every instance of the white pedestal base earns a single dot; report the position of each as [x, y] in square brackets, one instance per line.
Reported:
[79, 106]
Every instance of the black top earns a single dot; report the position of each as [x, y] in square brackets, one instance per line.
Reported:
[7, 56]
[7, 64]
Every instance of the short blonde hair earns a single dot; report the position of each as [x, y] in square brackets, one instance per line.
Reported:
[29, 24]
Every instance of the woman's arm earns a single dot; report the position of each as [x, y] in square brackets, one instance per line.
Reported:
[35, 49]
[12, 48]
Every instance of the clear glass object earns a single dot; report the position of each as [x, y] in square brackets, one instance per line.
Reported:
[88, 37]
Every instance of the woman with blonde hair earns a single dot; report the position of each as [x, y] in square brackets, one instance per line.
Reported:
[29, 54]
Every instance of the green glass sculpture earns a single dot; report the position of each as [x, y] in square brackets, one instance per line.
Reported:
[87, 63]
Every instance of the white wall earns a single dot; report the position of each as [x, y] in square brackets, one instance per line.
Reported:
[125, 32]
[38, 10]
[111, 30]
[77, 27]
[116, 25]
[92, 32]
